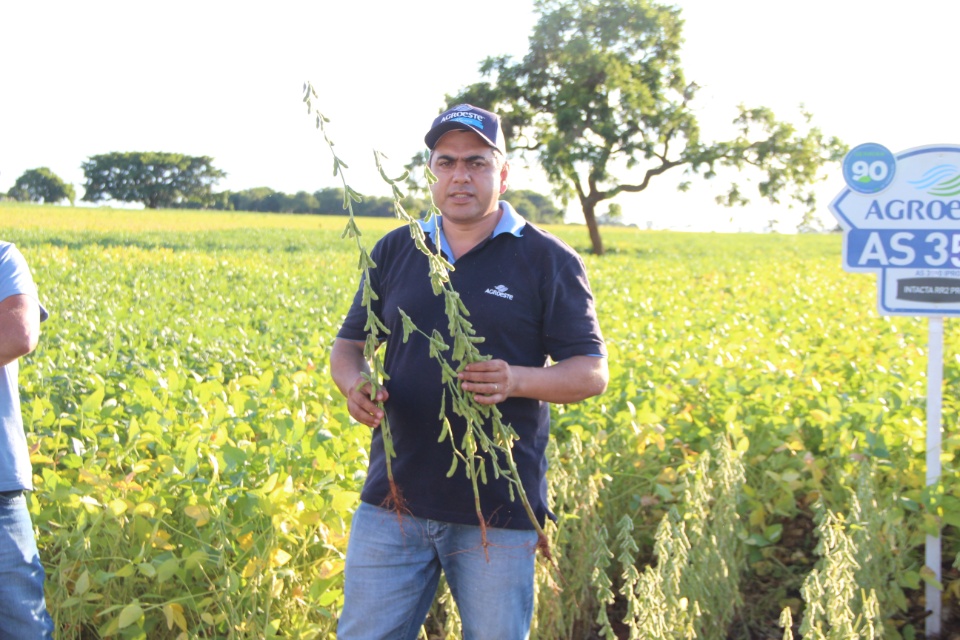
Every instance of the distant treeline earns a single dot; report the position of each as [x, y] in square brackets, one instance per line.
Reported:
[530, 204]
[176, 181]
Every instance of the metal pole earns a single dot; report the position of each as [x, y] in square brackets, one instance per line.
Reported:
[934, 406]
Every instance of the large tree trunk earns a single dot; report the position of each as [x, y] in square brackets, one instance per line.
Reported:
[589, 214]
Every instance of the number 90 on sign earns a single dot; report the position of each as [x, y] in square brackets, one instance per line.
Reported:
[870, 250]
[869, 168]
[861, 170]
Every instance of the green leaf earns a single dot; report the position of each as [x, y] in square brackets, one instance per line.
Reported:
[93, 402]
[929, 576]
[130, 614]
[167, 569]
[773, 532]
[125, 571]
[82, 585]
[910, 579]
[344, 500]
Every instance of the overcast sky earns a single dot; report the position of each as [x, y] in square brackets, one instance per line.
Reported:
[224, 80]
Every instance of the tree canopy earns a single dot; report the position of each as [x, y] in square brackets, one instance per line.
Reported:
[157, 180]
[535, 207]
[41, 185]
[601, 99]
[329, 201]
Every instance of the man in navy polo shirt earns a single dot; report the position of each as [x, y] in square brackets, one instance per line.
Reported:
[528, 297]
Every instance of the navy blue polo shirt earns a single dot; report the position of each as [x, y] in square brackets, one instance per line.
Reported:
[527, 295]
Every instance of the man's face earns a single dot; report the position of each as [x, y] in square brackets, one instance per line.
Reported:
[469, 177]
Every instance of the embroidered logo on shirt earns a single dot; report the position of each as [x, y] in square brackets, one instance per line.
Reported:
[500, 291]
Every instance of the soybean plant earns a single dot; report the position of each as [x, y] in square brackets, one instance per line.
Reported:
[373, 326]
[476, 442]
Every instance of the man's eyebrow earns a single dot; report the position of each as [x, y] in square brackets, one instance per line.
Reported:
[473, 158]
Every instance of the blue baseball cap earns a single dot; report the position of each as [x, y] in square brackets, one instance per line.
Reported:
[466, 117]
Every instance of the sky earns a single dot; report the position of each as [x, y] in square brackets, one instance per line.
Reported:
[224, 80]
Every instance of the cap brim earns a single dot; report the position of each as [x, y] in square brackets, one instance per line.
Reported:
[434, 135]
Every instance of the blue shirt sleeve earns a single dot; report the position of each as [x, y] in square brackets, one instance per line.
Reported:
[15, 277]
[570, 325]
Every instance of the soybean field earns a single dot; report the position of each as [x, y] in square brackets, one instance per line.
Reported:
[755, 469]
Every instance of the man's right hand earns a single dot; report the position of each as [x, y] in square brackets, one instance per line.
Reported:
[348, 367]
[361, 407]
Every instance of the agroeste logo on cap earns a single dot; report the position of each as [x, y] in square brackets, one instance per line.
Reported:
[466, 117]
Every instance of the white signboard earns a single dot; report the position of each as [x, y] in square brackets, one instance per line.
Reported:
[901, 219]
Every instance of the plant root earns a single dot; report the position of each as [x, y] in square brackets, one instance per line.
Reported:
[395, 501]
[543, 546]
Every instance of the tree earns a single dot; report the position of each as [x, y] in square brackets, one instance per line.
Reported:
[155, 179]
[613, 216]
[41, 185]
[304, 202]
[330, 200]
[602, 92]
[534, 206]
[249, 199]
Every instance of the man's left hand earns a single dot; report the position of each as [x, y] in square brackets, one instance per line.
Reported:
[490, 381]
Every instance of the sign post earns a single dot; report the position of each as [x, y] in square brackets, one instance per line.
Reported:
[900, 216]
[933, 597]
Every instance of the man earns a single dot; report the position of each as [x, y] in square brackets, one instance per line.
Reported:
[23, 610]
[528, 297]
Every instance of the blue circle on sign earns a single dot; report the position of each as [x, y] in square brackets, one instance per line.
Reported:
[869, 168]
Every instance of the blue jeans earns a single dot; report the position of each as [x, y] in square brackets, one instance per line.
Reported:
[23, 610]
[393, 568]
